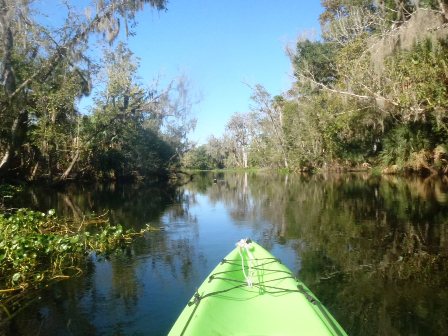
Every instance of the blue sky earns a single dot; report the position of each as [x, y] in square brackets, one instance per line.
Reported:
[220, 45]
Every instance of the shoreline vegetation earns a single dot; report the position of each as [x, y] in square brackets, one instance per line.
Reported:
[38, 249]
[378, 170]
[372, 93]
[130, 131]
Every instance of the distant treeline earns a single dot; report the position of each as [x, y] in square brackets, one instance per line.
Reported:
[130, 130]
[371, 92]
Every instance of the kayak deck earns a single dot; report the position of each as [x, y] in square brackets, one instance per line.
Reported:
[276, 303]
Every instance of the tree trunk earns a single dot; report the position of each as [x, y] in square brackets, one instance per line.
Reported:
[18, 133]
[443, 4]
[7, 77]
[8, 81]
[70, 167]
[34, 171]
[399, 4]
[244, 158]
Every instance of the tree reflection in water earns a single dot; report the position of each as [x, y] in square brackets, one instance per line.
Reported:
[374, 250]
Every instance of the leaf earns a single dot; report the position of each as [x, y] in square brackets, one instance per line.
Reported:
[16, 277]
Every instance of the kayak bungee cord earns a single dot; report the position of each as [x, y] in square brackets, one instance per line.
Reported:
[245, 245]
[197, 298]
[259, 276]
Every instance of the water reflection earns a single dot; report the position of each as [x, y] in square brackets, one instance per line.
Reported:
[374, 250]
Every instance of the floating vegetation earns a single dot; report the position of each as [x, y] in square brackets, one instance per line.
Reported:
[37, 249]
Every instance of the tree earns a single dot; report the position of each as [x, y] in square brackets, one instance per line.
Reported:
[136, 130]
[361, 88]
[216, 150]
[198, 158]
[270, 119]
[344, 21]
[238, 138]
[177, 122]
[54, 126]
[31, 53]
[314, 60]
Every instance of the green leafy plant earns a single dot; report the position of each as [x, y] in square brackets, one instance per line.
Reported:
[37, 248]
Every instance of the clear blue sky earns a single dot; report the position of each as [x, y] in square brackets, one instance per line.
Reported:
[219, 45]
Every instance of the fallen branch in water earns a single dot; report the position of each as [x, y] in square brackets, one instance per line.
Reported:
[9, 290]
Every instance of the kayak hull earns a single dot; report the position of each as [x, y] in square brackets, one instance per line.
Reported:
[251, 293]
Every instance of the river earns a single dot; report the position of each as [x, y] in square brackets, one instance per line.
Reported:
[373, 250]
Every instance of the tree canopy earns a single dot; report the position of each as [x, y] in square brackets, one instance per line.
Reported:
[372, 91]
[133, 129]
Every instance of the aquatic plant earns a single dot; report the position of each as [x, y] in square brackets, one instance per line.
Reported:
[37, 249]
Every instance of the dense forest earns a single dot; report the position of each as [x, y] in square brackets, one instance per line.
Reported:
[131, 130]
[371, 92]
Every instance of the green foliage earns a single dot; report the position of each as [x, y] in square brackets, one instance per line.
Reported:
[396, 114]
[124, 132]
[199, 158]
[432, 4]
[314, 59]
[303, 125]
[55, 122]
[8, 190]
[421, 101]
[133, 130]
[401, 142]
[37, 248]
[121, 147]
[418, 89]
[360, 96]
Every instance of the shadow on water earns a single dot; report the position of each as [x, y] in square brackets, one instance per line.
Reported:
[374, 250]
[108, 298]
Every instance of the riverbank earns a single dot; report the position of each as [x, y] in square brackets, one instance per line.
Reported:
[423, 164]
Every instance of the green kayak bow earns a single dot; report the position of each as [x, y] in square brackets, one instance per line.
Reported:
[251, 292]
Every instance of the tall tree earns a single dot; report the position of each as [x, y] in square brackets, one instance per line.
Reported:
[136, 129]
[238, 138]
[270, 118]
[216, 150]
[30, 53]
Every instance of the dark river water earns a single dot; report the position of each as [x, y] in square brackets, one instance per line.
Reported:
[373, 250]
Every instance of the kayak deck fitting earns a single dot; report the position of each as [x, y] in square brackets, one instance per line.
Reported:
[252, 293]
